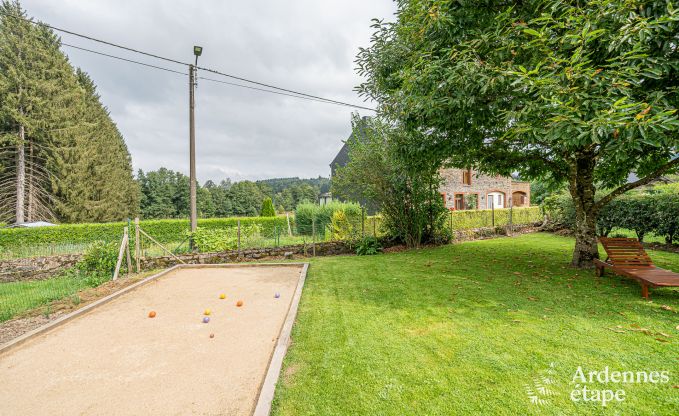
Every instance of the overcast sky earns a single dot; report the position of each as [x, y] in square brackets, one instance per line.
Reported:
[305, 45]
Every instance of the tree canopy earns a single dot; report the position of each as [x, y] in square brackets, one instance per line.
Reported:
[564, 91]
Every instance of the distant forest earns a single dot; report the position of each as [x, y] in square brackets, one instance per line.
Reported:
[165, 194]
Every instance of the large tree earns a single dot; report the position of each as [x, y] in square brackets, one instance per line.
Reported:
[576, 92]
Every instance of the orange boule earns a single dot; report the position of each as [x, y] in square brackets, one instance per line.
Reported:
[239, 303]
[152, 314]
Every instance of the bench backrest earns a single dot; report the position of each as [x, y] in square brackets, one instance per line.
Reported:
[626, 252]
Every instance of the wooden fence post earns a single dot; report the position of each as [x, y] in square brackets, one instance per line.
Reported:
[137, 245]
[313, 235]
[121, 253]
[127, 249]
[239, 238]
[511, 210]
[287, 216]
[362, 222]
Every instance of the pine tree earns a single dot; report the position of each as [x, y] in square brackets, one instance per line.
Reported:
[62, 156]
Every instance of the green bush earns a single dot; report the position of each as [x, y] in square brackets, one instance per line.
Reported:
[164, 231]
[224, 239]
[100, 257]
[667, 215]
[307, 213]
[344, 227]
[267, 208]
[368, 246]
[642, 212]
[483, 218]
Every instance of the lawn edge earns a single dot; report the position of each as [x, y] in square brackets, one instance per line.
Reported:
[268, 388]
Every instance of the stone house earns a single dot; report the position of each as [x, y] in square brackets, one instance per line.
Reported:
[461, 188]
[468, 189]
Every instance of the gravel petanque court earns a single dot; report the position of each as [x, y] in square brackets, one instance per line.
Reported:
[115, 360]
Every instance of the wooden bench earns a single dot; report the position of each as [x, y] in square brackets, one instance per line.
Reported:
[627, 257]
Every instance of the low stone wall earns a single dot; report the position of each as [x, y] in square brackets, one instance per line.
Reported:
[490, 232]
[322, 249]
[35, 268]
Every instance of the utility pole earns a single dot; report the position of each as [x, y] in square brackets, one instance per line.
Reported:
[197, 51]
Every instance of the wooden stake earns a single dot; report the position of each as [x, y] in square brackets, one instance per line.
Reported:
[137, 243]
[287, 215]
[127, 249]
[121, 253]
[238, 238]
[313, 235]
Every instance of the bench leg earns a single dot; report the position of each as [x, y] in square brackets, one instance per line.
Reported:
[599, 271]
[644, 290]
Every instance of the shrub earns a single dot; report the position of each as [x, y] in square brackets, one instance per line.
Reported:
[368, 246]
[99, 258]
[640, 212]
[267, 208]
[306, 213]
[667, 215]
[560, 210]
[637, 213]
[344, 227]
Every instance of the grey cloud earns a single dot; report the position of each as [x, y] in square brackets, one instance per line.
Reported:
[303, 44]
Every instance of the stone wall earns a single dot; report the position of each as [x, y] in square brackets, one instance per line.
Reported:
[290, 252]
[35, 268]
[481, 184]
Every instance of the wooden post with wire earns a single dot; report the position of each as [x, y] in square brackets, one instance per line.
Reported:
[313, 235]
[137, 244]
[239, 238]
[123, 244]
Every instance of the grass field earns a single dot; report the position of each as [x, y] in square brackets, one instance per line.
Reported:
[470, 328]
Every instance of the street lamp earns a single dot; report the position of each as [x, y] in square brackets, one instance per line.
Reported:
[197, 51]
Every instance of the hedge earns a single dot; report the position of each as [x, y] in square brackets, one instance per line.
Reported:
[165, 231]
[471, 219]
[307, 213]
[643, 213]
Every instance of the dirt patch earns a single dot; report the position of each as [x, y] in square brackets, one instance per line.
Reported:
[37, 317]
[289, 373]
[395, 249]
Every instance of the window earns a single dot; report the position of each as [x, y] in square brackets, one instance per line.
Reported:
[496, 200]
[467, 177]
[459, 201]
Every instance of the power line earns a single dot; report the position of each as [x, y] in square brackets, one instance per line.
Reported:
[272, 92]
[283, 89]
[203, 78]
[124, 59]
[315, 97]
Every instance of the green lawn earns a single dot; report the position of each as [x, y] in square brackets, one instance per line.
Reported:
[19, 297]
[467, 329]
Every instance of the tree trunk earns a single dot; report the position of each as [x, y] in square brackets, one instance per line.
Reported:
[20, 178]
[582, 191]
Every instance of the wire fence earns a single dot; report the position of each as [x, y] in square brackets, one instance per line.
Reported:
[20, 295]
